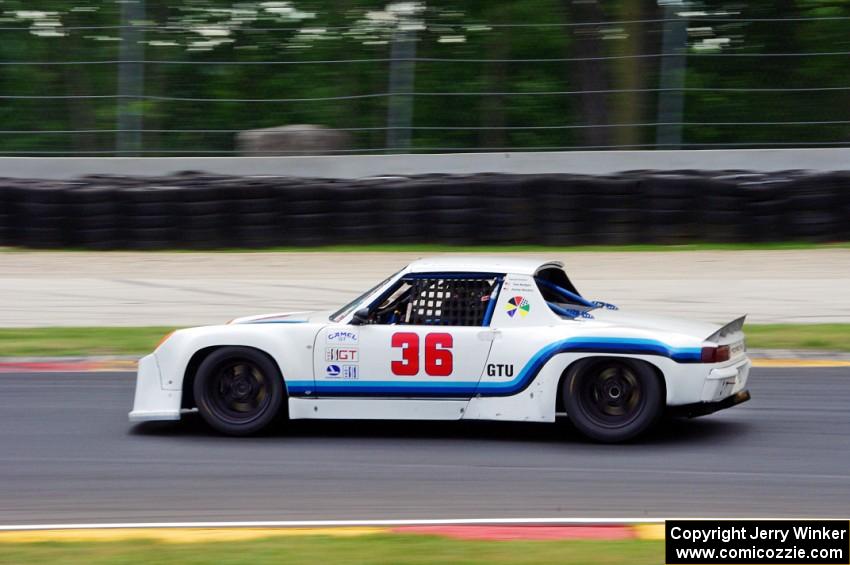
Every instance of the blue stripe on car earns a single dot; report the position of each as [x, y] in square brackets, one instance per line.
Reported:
[489, 388]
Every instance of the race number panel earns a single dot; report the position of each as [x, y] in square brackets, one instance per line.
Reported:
[401, 361]
[408, 343]
[439, 361]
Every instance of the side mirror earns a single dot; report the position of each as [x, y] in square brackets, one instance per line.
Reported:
[360, 317]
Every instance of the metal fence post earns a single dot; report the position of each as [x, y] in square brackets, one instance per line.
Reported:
[400, 104]
[131, 72]
[671, 98]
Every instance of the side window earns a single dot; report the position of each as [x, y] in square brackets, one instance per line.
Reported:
[439, 302]
[561, 296]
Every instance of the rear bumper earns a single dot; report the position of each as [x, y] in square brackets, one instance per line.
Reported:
[703, 408]
[723, 382]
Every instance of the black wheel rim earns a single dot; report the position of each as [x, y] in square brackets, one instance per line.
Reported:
[611, 395]
[238, 392]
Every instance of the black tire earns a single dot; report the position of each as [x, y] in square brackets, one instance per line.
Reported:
[238, 390]
[611, 399]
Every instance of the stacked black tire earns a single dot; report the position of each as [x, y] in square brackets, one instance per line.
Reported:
[205, 211]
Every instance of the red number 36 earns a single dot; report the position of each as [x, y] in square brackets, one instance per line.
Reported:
[438, 355]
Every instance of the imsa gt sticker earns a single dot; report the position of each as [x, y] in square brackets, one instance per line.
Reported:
[350, 354]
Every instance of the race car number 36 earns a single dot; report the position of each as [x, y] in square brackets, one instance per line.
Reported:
[438, 355]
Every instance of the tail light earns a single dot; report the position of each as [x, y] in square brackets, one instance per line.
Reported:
[715, 354]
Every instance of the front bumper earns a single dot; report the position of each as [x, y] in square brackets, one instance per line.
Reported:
[703, 408]
[152, 402]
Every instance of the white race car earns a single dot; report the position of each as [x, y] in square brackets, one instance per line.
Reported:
[448, 339]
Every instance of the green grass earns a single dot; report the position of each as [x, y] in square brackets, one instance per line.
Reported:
[832, 337]
[58, 342]
[377, 549]
[437, 248]
[23, 342]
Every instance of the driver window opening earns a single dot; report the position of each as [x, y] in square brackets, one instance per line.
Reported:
[439, 301]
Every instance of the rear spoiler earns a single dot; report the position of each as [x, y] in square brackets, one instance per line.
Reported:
[735, 325]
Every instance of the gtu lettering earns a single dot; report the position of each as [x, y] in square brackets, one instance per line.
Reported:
[500, 370]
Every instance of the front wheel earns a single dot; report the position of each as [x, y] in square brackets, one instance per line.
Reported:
[239, 391]
[612, 400]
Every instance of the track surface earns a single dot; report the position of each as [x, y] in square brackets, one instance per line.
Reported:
[67, 454]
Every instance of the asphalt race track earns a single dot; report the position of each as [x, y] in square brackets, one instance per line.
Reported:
[68, 454]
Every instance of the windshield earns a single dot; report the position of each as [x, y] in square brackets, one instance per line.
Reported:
[348, 308]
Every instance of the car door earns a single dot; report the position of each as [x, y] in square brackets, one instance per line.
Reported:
[426, 337]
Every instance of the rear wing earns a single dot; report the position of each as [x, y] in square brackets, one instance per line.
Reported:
[735, 325]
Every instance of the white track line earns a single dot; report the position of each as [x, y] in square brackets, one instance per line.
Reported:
[339, 523]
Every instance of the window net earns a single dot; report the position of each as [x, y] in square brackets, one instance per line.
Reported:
[449, 302]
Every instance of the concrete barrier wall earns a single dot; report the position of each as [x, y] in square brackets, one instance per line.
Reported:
[355, 166]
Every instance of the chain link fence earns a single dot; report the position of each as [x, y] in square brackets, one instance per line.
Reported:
[184, 78]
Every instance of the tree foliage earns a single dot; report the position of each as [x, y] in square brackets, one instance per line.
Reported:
[45, 33]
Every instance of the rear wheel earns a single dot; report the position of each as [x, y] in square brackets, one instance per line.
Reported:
[613, 399]
[239, 391]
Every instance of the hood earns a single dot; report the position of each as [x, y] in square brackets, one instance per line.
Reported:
[700, 330]
[279, 318]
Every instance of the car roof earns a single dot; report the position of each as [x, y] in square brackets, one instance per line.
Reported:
[480, 264]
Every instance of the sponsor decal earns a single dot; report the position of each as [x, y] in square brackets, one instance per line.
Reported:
[342, 336]
[737, 348]
[349, 372]
[521, 284]
[500, 370]
[517, 304]
[350, 354]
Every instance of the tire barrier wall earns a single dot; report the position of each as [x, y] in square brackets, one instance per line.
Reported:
[205, 211]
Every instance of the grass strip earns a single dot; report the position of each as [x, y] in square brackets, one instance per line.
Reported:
[827, 337]
[76, 341]
[398, 549]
